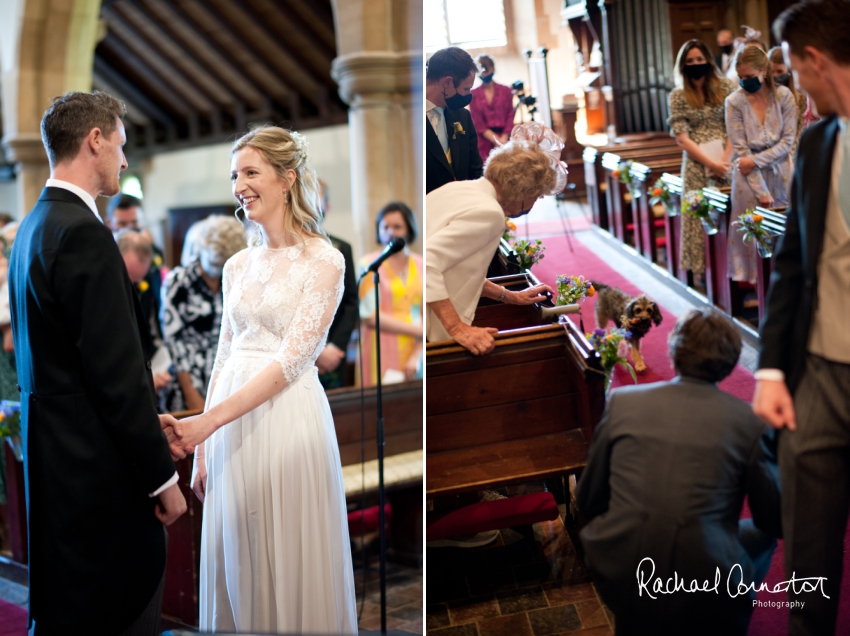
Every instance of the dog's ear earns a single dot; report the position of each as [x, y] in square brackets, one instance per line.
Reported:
[630, 308]
[656, 315]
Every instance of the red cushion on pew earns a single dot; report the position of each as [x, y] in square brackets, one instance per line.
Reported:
[367, 520]
[656, 223]
[742, 284]
[491, 515]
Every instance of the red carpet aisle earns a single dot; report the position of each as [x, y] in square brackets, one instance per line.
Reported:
[13, 619]
[559, 260]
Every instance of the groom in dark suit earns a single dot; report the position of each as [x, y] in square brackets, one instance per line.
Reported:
[805, 342]
[451, 143]
[99, 475]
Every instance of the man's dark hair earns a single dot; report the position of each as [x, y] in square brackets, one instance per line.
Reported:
[705, 345]
[122, 202]
[409, 220]
[821, 24]
[73, 116]
[453, 62]
[6, 218]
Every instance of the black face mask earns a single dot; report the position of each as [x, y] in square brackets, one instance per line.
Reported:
[726, 48]
[783, 79]
[696, 71]
[457, 101]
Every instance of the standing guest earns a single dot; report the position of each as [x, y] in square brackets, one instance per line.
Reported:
[751, 38]
[685, 518]
[696, 118]
[761, 119]
[331, 361]
[782, 77]
[465, 224]
[450, 139]
[100, 479]
[805, 343]
[401, 300]
[725, 44]
[192, 310]
[492, 109]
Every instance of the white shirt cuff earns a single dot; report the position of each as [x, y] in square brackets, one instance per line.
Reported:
[165, 486]
[773, 375]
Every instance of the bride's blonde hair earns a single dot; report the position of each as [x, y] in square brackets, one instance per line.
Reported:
[287, 150]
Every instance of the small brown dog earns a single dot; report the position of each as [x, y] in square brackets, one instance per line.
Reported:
[636, 315]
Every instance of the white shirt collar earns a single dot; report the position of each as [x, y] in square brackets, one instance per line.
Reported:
[429, 105]
[70, 187]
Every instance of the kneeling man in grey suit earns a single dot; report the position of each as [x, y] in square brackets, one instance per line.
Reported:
[663, 490]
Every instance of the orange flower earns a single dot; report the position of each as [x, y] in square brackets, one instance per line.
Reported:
[758, 218]
[657, 192]
[591, 291]
[511, 226]
[616, 173]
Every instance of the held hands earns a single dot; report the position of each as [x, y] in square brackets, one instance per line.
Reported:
[746, 165]
[479, 341]
[195, 430]
[173, 430]
[772, 403]
[529, 296]
[171, 505]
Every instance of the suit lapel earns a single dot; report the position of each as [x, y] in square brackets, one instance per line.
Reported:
[817, 175]
[434, 146]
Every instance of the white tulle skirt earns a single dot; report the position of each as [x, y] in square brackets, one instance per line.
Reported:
[275, 554]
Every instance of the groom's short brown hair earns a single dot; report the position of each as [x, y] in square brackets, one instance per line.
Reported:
[74, 115]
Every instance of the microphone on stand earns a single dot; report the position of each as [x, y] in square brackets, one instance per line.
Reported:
[393, 247]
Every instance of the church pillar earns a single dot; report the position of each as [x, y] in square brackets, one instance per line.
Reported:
[379, 72]
[47, 49]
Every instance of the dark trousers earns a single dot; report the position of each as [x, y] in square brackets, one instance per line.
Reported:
[814, 463]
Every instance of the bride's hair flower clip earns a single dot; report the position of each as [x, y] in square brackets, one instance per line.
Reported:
[549, 142]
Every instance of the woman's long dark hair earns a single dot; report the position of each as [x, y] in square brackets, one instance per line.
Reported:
[712, 93]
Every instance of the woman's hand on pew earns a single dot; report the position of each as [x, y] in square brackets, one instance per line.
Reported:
[772, 403]
[477, 340]
[529, 296]
[746, 165]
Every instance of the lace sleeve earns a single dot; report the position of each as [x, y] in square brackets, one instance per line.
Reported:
[308, 330]
[225, 337]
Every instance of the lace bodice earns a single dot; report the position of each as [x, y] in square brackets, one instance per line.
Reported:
[281, 302]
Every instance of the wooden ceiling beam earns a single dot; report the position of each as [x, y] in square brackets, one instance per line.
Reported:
[144, 74]
[170, 52]
[251, 66]
[319, 15]
[130, 93]
[207, 53]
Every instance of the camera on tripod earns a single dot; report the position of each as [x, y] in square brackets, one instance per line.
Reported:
[518, 89]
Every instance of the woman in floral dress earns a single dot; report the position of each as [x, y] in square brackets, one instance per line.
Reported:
[762, 122]
[696, 118]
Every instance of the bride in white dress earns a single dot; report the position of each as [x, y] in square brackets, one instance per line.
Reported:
[275, 553]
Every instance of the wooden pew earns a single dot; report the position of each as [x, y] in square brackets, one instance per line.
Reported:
[719, 288]
[647, 222]
[774, 223]
[505, 261]
[524, 412]
[673, 226]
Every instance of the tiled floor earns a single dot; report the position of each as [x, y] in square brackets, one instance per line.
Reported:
[517, 586]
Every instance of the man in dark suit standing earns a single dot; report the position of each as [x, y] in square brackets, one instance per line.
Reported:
[665, 481]
[451, 143]
[99, 475]
[805, 342]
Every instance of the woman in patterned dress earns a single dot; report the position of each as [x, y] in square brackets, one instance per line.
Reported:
[192, 309]
[697, 117]
[761, 119]
[401, 300]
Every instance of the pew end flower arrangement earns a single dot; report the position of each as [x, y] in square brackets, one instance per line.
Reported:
[749, 224]
[510, 228]
[695, 204]
[573, 290]
[661, 194]
[623, 174]
[613, 347]
[529, 252]
[10, 426]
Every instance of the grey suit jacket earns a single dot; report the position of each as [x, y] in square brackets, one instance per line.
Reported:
[667, 473]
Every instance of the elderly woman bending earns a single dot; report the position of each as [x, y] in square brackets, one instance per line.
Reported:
[466, 220]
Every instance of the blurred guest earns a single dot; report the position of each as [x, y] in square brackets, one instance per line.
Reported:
[697, 122]
[724, 43]
[751, 38]
[761, 119]
[331, 361]
[465, 224]
[5, 219]
[782, 77]
[647, 524]
[450, 139]
[492, 109]
[401, 300]
[137, 252]
[192, 303]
